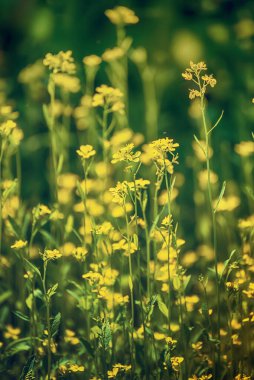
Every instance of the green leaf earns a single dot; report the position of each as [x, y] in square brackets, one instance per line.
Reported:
[87, 346]
[17, 346]
[5, 296]
[220, 196]
[51, 291]
[21, 316]
[15, 227]
[55, 324]
[29, 301]
[162, 307]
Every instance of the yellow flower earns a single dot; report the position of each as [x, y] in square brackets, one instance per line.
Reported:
[92, 60]
[126, 154]
[70, 337]
[194, 94]
[121, 15]
[176, 362]
[108, 97]
[7, 127]
[159, 336]
[80, 253]
[66, 82]
[12, 332]
[245, 148]
[86, 151]
[62, 62]
[19, 244]
[197, 346]
[209, 79]
[113, 54]
[51, 254]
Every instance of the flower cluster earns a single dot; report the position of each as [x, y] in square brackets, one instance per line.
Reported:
[121, 15]
[194, 74]
[62, 62]
[108, 97]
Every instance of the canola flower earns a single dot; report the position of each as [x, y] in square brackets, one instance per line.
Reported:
[86, 152]
[109, 97]
[62, 62]
[121, 15]
[125, 278]
[19, 244]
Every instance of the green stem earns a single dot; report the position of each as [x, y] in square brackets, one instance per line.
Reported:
[207, 146]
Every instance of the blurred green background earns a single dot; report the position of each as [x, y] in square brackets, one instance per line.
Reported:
[220, 32]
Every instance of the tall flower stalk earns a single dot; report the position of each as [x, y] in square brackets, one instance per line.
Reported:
[195, 73]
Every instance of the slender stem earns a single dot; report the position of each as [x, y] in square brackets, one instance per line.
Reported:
[47, 303]
[207, 146]
[131, 288]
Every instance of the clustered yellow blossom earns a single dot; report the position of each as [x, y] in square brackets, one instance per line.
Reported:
[193, 73]
[245, 148]
[121, 15]
[176, 362]
[12, 332]
[86, 151]
[66, 82]
[108, 97]
[113, 54]
[63, 62]
[7, 127]
[70, 337]
[116, 369]
[70, 368]
[126, 154]
[51, 254]
[158, 151]
[92, 60]
[202, 377]
[19, 244]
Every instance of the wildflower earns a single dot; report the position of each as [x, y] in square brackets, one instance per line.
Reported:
[63, 62]
[116, 369]
[126, 154]
[70, 368]
[170, 341]
[92, 60]
[80, 253]
[113, 54]
[128, 247]
[246, 223]
[121, 15]
[104, 228]
[32, 73]
[51, 254]
[159, 336]
[86, 151]
[194, 94]
[193, 73]
[250, 291]
[235, 340]
[70, 337]
[197, 346]
[245, 148]
[242, 377]
[209, 80]
[108, 97]
[7, 127]
[66, 82]
[228, 203]
[19, 244]
[176, 362]
[12, 332]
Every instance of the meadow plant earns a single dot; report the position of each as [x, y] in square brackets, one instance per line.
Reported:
[100, 283]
